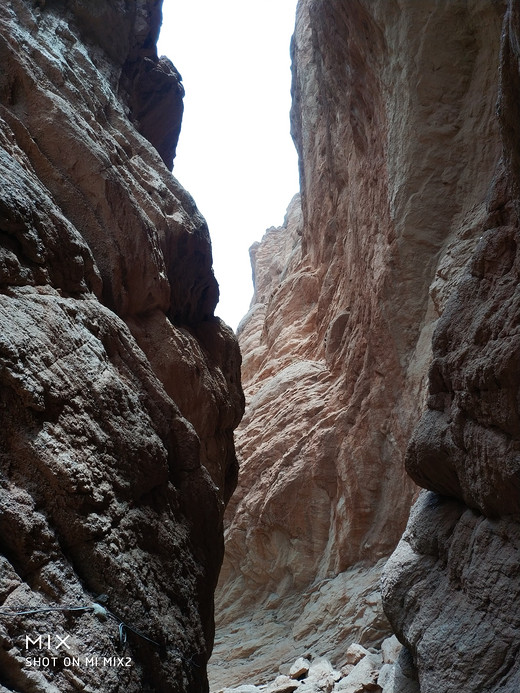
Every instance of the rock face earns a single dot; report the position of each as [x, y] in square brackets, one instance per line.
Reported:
[119, 388]
[394, 121]
[451, 587]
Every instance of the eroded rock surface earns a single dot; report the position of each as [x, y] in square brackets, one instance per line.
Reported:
[119, 388]
[394, 121]
[451, 587]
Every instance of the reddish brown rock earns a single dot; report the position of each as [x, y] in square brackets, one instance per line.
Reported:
[156, 93]
[119, 388]
[394, 121]
[451, 587]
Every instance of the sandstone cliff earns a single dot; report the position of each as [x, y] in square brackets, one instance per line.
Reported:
[119, 388]
[394, 121]
[451, 588]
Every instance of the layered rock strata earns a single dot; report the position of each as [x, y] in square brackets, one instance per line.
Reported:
[394, 121]
[119, 388]
[451, 587]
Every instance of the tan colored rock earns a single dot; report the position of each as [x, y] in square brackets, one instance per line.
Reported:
[355, 653]
[368, 674]
[322, 675]
[363, 677]
[394, 121]
[450, 588]
[119, 388]
[300, 668]
[282, 684]
[390, 649]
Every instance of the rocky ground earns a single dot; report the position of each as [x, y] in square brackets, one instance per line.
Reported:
[388, 670]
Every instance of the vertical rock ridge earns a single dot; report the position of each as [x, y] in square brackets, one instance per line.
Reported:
[119, 388]
[450, 588]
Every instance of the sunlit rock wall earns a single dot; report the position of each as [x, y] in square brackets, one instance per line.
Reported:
[119, 389]
[394, 121]
[451, 588]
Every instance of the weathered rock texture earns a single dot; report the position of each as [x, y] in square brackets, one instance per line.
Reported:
[394, 121]
[451, 588]
[119, 389]
[379, 672]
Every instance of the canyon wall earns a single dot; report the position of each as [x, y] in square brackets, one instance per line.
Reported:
[451, 588]
[119, 388]
[394, 120]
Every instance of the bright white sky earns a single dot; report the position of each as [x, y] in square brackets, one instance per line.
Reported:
[235, 153]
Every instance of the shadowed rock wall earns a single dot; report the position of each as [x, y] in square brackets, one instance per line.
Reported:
[394, 121]
[451, 587]
[119, 388]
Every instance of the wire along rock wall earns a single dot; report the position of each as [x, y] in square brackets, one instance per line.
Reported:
[119, 388]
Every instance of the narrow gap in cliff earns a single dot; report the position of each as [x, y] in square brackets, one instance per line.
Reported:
[235, 153]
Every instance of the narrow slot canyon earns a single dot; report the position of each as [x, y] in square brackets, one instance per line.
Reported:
[326, 500]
